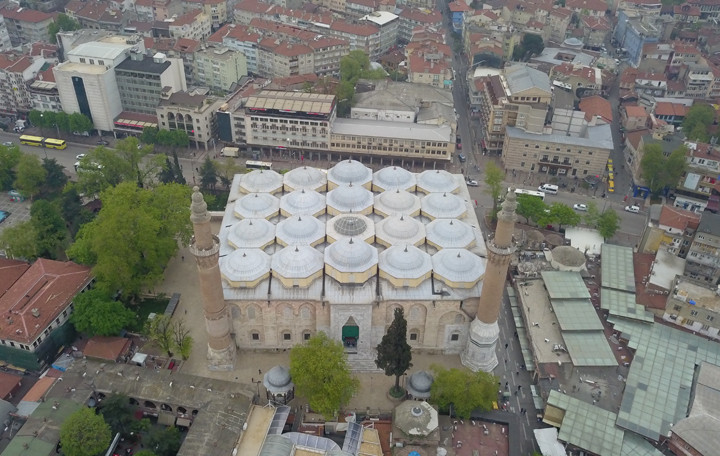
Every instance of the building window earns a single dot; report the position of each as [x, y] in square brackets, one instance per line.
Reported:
[306, 335]
[454, 337]
[677, 307]
[709, 318]
[413, 336]
[693, 313]
[286, 336]
[255, 335]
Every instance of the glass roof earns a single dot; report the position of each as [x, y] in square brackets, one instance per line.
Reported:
[576, 315]
[622, 304]
[589, 348]
[565, 285]
[617, 268]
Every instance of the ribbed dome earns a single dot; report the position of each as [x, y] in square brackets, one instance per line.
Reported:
[419, 384]
[257, 205]
[437, 181]
[251, 234]
[353, 225]
[350, 226]
[277, 380]
[405, 262]
[297, 262]
[305, 177]
[302, 202]
[261, 181]
[449, 234]
[350, 198]
[458, 266]
[300, 230]
[397, 202]
[393, 178]
[348, 255]
[399, 229]
[245, 265]
[349, 172]
[443, 205]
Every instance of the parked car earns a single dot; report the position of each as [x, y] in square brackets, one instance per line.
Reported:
[472, 183]
[79, 156]
[8, 144]
[102, 142]
[459, 146]
[634, 209]
[462, 158]
[580, 207]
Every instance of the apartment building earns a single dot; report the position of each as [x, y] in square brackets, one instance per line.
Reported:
[219, 68]
[195, 25]
[388, 25]
[558, 23]
[429, 69]
[5, 43]
[695, 307]
[633, 32]
[192, 113]
[43, 92]
[15, 73]
[360, 36]
[141, 80]
[97, 15]
[700, 181]
[584, 80]
[238, 38]
[26, 25]
[216, 10]
[673, 231]
[703, 259]
[410, 18]
[517, 97]
[698, 79]
[277, 58]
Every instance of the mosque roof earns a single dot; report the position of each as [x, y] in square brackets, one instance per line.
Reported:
[300, 230]
[393, 178]
[305, 177]
[251, 234]
[297, 262]
[245, 265]
[400, 230]
[396, 202]
[349, 255]
[257, 205]
[301, 202]
[262, 181]
[350, 198]
[459, 266]
[405, 262]
[449, 233]
[443, 205]
[437, 181]
[349, 172]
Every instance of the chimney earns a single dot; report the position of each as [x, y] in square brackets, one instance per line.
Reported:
[35, 312]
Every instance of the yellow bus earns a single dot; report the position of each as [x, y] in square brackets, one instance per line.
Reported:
[31, 140]
[52, 143]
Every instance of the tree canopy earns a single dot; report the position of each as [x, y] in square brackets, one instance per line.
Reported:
[697, 122]
[63, 23]
[159, 329]
[84, 433]
[49, 227]
[97, 314]
[529, 46]
[165, 442]
[530, 207]
[134, 236]
[562, 214]
[119, 415]
[394, 355]
[321, 375]
[659, 171]
[494, 180]
[608, 223]
[9, 159]
[464, 390]
[29, 176]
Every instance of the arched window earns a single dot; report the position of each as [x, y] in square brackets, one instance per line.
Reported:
[251, 313]
[254, 335]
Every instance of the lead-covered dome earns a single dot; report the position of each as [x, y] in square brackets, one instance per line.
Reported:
[458, 268]
[302, 202]
[261, 181]
[399, 230]
[443, 205]
[349, 198]
[300, 230]
[297, 266]
[419, 384]
[351, 261]
[277, 380]
[245, 268]
[305, 177]
[437, 181]
[449, 234]
[346, 226]
[251, 234]
[393, 178]
[405, 266]
[257, 205]
[349, 172]
[397, 202]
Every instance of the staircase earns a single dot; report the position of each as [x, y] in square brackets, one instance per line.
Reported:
[363, 361]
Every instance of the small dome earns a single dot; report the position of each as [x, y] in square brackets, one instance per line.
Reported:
[300, 230]
[437, 181]
[349, 198]
[244, 265]
[251, 234]
[443, 205]
[449, 234]
[302, 202]
[416, 418]
[352, 225]
[277, 380]
[347, 255]
[305, 177]
[458, 267]
[405, 262]
[399, 230]
[397, 202]
[393, 178]
[349, 172]
[261, 181]
[419, 384]
[257, 205]
[297, 262]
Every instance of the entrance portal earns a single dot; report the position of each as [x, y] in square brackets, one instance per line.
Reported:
[350, 334]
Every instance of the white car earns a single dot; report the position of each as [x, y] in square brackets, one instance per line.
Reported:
[80, 156]
[580, 207]
[634, 209]
[472, 183]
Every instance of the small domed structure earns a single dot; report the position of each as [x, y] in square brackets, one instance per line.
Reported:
[349, 198]
[443, 205]
[279, 385]
[257, 205]
[399, 230]
[416, 419]
[437, 181]
[419, 384]
[397, 202]
[245, 268]
[300, 230]
[251, 234]
[297, 266]
[349, 172]
[567, 258]
[302, 202]
[405, 266]
[346, 226]
[261, 181]
[305, 177]
[350, 261]
[449, 234]
[458, 268]
[393, 178]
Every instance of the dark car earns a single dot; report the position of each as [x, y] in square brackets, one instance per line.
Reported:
[462, 158]
[102, 142]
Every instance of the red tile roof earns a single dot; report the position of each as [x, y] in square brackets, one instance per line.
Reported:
[635, 111]
[14, 63]
[634, 137]
[596, 106]
[47, 288]
[364, 29]
[679, 219]
[8, 384]
[107, 348]
[596, 23]
[47, 75]
[25, 15]
[10, 271]
[39, 389]
[186, 45]
[666, 108]
[422, 16]
[591, 5]
[459, 7]
[186, 19]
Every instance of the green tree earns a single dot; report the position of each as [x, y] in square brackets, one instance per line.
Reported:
[394, 355]
[134, 236]
[18, 241]
[530, 207]
[9, 160]
[345, 93]
[592, 215]
[659, 171]
[321, 374]
[697, 120]
[208, 174]
[159, 329]
[80, 122]
[49, 228]
[84, 433]
[494, 180]
[608, 223]
[164, 138]
[226, 171]
[62, 122]
[149, 453]
[141, 166]
[464, 390]
[97, 314]
[55, 179]
[119, 415]
[149, 135]
[63, 23]
[529, 46]
[72, 209]
[30, 176]
[180, 138]
[164, 442]
[182, 341]
[562, 214]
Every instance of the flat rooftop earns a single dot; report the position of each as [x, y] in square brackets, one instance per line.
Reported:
[381, 129]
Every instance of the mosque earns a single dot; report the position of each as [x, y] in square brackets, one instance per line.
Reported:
[337, 251]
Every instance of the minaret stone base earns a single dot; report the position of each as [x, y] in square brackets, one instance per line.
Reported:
[221, 360]
[479, 353]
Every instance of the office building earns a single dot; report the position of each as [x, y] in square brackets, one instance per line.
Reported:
[141, 80]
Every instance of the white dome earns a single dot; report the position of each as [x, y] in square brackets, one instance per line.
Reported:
[449, 234]
[245, 265]
[251, 234]
[300, 230]
[277, 380]
[350, 226]
[393, 178]
[405, 262]
[350, 198]
[305, 177]
[399, 230]
[297, 262]
[349, 172]
[443, 205]
[257, 205]
[437, 181]
[459, 266]
[397, 202]
[302, 202]
[261, 181]
[348, 255]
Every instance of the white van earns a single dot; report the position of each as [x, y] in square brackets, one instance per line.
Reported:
[548, 188]
[230, 151]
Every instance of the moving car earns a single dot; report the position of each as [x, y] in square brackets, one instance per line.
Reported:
[634, 209]
[580, 207]
[8, 144]
[472, 183]
[79, 156]
[462, 158]
[102, 142]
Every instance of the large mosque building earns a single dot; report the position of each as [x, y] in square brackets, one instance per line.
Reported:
[338, 250]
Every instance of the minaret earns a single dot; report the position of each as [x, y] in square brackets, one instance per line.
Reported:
[206, 247]
[479, 354]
